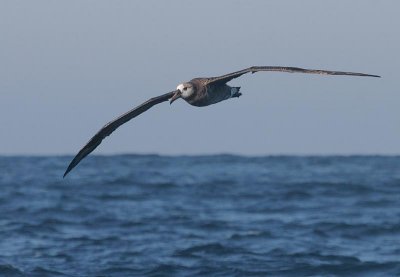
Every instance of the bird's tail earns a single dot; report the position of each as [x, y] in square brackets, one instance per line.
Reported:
[235, 92]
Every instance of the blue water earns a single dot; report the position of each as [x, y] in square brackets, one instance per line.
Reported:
[149, 215]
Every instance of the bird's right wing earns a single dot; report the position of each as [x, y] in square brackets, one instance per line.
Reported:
[111, 126]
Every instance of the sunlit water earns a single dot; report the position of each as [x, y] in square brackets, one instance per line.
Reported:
[148, 215]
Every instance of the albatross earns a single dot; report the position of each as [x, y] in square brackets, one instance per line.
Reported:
[198, 92]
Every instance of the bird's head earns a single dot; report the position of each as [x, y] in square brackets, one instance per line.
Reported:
[184, 90]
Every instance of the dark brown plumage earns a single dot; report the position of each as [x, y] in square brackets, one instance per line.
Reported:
[197, 92]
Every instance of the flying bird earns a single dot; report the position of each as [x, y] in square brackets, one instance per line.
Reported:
[197, 92]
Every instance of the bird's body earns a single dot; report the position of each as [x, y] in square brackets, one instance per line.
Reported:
[198, 92]
[205, 94]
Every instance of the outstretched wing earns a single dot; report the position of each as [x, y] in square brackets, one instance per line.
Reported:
[111, 126]
[228, 77]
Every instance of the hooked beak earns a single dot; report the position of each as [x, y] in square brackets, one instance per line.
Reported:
[178, 94]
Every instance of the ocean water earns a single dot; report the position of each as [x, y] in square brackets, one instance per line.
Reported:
[222, 215]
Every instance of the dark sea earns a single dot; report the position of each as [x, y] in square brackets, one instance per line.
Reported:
[221, 215]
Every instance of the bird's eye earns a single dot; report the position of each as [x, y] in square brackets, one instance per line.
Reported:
[185, 88]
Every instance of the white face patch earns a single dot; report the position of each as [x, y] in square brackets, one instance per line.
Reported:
[180, 87]
[185, 89]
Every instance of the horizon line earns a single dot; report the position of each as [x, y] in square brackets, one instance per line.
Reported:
[355, 154]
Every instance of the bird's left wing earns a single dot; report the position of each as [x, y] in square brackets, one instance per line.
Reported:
[111, 126]
[228, 77]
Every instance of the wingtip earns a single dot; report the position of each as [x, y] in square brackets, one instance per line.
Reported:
[369, 75]
[65, 173]
[69, 168]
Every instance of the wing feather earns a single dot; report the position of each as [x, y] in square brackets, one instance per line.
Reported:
[113, 125]
[228, 77]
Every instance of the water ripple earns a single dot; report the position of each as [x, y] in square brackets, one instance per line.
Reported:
[222, 215]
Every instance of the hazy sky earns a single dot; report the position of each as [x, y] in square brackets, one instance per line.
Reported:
[69, 67]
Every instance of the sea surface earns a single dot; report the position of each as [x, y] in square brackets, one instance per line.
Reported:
[218, 215]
